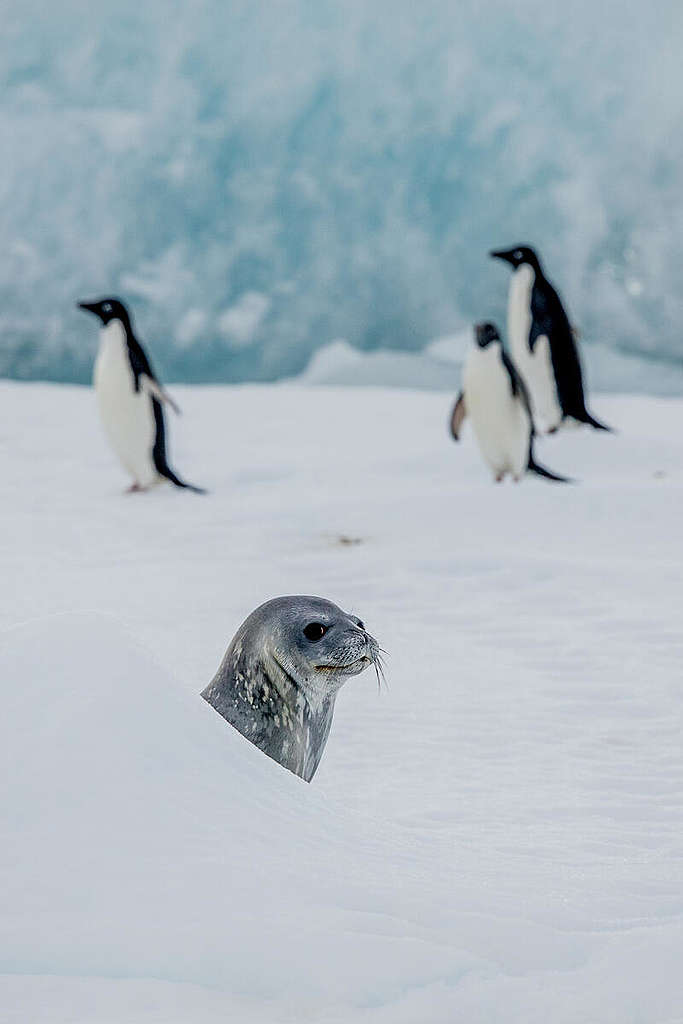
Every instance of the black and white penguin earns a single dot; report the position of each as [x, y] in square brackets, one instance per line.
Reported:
[130, 399]
[543, 343]
[496, 399]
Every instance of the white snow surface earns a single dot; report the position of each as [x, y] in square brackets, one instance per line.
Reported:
[496, 837]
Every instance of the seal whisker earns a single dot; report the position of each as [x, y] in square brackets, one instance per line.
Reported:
[379, 670]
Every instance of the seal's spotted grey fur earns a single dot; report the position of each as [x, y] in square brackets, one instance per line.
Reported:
[280, 676]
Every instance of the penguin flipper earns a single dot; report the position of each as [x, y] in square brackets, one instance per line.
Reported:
[458, 416]
[536, 331]
[548, 315]
[154, 388]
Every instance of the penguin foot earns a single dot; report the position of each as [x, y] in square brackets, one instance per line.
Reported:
[134, 489]
[499, 477]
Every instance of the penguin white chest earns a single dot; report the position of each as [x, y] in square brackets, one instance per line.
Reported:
[499, 419]
[127, 414]
[535, 367]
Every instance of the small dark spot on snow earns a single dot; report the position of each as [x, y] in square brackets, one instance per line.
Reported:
[345, 541]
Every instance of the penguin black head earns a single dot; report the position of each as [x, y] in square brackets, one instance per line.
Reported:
[517, 256]
[485, 333]
[107, 310]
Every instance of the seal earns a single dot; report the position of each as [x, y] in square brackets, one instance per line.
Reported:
[280, 676]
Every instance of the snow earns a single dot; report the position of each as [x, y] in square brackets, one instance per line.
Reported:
[497, 837]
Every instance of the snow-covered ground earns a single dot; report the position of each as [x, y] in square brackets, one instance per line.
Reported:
[496, 838]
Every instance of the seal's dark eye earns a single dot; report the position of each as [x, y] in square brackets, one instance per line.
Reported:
[361, 625]
[314, 631]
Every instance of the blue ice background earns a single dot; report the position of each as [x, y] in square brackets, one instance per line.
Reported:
[261, 178]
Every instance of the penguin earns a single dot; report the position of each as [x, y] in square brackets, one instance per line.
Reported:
[495, 397]
[543, 343]
[131, 398]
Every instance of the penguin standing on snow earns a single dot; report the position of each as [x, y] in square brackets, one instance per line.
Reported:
[495, 397]
[543, 343]
[130, 399]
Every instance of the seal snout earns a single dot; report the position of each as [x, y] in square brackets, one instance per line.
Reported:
[372, 648]
[358, 650]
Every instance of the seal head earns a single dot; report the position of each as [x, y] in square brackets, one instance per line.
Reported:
[280, 676]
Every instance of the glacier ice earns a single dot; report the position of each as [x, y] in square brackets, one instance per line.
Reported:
[259, 179]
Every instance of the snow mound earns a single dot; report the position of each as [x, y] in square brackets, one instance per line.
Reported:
[144, 836]
[496, 838]
[439, 368]
[341, 364]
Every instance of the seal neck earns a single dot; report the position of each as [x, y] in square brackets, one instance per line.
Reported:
[264, 703]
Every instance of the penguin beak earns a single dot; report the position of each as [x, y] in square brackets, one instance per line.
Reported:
[502, 254]
[89, 307]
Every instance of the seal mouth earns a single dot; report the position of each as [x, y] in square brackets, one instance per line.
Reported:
[360, 662]
[372, 656]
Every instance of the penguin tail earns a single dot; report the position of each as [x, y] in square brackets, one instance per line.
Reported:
[534, 467]
[168, 473]
[592, 422]
[583, 416]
